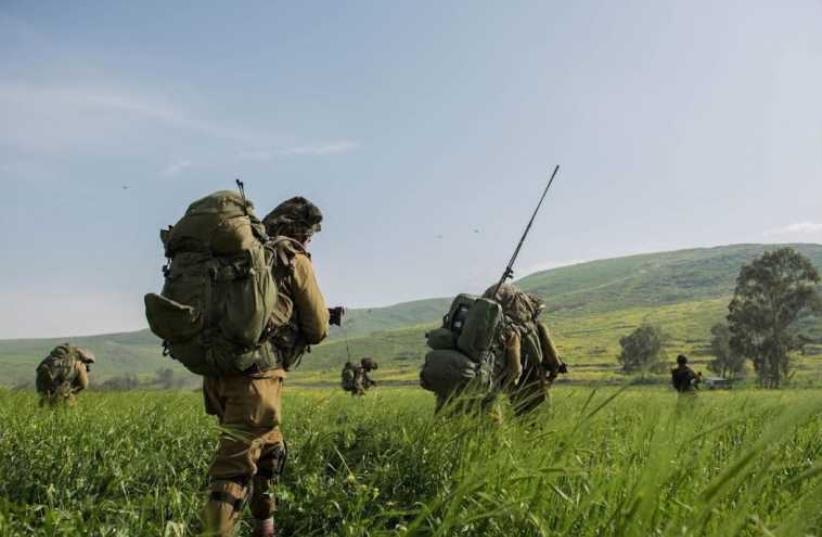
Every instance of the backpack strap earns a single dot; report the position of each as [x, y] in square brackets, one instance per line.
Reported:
[286, 337]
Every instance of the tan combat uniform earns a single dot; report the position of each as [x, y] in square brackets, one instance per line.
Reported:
[530, 359]
[251, 450]
[530, 374]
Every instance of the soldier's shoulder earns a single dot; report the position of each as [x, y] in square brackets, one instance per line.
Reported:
[288, 252]
[287, 245]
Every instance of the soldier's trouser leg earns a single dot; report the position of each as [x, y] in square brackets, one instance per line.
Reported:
[263, 502]
[223, 507]
[531, 392]
[249, 411]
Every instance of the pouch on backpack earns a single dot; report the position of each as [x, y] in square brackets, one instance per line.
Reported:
[480, 328]
[446, 371]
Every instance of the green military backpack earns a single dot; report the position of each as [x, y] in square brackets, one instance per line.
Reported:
[463, 347]
[219, 295]
[57, 369]
[349, 378]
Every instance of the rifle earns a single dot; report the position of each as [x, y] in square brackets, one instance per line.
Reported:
[509, 269]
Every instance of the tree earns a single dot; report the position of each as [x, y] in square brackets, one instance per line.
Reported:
[128, 381]
[642, 349]
[727, 363]
[772, 292]
[164, 378]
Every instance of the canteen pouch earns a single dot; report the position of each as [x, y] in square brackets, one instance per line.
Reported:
[480, 328]
[446, 371]
[171, 320]
[441, 339]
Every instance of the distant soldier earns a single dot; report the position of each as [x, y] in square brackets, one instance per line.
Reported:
[683, 378]
[490, 345]
[355, 378]
[62, 374]
[251, 453]
[363, 382]
[528, 361]
[348, 377]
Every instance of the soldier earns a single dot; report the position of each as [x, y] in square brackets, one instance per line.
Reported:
[348, 377]
[683, 377]
[362, 382]
[528, 361]
[251, 452]
[62, 374]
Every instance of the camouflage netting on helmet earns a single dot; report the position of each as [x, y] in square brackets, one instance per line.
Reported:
[517, 305]
[85, 356]
[293, 216]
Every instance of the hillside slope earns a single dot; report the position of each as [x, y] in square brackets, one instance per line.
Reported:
[590, 305]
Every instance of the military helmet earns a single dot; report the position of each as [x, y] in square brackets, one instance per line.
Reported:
[682, 359]
[518, 305]
[368, 363]
[294, 216]
[86, 356]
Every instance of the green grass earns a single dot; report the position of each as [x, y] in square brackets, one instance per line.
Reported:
[632, 462]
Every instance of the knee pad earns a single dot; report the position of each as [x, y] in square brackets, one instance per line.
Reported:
[270, 468]
[272, 462]
[229, 491]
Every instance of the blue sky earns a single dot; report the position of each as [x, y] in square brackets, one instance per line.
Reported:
[424, 130]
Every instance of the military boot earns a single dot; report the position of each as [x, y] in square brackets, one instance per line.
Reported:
[262, 505]
[264, 528]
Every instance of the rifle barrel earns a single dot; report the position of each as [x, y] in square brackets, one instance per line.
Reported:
[509, 268]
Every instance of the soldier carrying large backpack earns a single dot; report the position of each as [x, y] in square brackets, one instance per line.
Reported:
[363, 381]
[493, 343]
[490, 345]
[529, 360]
[355, 379]
[348, 377]
[240, 306]
[62, 374]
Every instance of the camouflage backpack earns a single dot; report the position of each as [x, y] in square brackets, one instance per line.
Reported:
[520, 312]
[57, 369]
[348, 380]
[462, 349]
[216, 306]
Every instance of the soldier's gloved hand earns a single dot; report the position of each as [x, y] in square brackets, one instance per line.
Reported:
[563, 368]
[335, 315]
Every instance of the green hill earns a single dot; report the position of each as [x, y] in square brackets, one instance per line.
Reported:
[590, 305]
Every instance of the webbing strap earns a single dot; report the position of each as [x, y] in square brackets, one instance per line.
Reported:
[223, 496]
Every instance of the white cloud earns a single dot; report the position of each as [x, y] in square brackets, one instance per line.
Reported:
[260, 155]
[62, 117]
[313, 150]
[175, 168]
[797, 228]
[331, 148]
[102, 118]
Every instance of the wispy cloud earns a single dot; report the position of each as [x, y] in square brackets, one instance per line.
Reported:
[797, 228]
[177, 167]
[311, 150]
[58, 117]
[332, 148]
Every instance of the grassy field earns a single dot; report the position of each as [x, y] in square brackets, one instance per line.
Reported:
[590, 306]
[633, 462]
